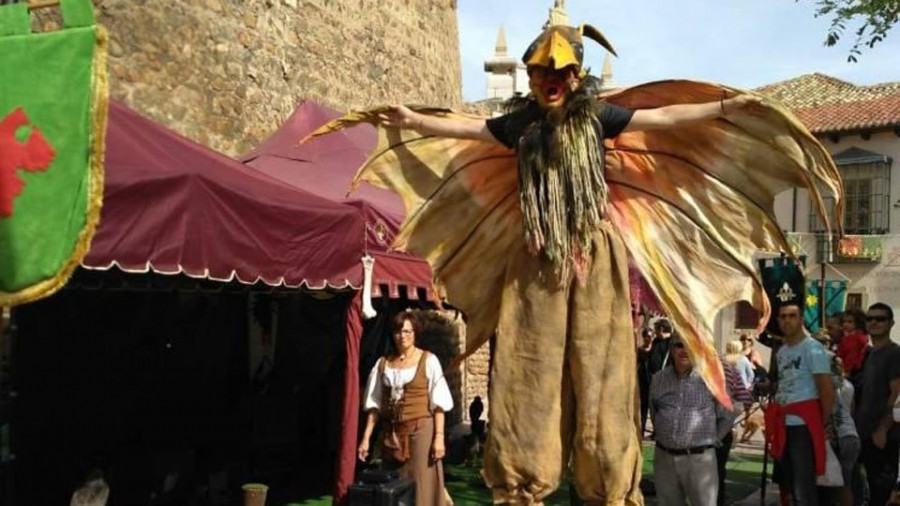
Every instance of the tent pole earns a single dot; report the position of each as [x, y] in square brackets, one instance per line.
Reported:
[822, 298]
[826, 258]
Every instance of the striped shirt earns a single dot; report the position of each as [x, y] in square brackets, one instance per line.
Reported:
[735, 387]
[684, 412]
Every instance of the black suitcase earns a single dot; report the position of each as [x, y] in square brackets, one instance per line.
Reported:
[381, 489]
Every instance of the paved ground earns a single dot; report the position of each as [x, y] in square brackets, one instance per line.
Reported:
[754, 499]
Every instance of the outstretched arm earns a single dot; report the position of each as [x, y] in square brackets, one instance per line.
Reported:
[400, 116]
[682, 114]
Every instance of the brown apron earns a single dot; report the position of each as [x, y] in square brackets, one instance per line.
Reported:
[400, 416]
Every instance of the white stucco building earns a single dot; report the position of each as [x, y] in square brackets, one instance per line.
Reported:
[860, 127]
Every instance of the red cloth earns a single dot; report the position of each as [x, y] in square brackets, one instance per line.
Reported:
[346, 459]
[852, 350]
[173, 206]
[776, 430]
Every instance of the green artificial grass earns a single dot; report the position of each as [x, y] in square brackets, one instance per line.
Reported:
[325, 500]
[467, 488]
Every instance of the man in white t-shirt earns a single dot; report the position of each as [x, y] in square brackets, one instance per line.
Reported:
[804, 400]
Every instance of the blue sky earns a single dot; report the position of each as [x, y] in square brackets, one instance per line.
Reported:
[744, 43]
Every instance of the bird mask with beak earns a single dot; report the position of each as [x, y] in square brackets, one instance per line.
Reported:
[554, 62]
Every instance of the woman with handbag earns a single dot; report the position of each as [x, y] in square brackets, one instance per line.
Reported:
[408, 391]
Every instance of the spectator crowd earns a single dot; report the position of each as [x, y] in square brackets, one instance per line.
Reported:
[827, 404]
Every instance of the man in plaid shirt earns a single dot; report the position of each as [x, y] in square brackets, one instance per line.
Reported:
[689, 424]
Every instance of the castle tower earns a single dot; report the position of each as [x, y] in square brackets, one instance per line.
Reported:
[558, 14]
[228, 73]
[506, 75]
[606, 76]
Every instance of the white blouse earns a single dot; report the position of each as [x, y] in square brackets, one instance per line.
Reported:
[394, 380]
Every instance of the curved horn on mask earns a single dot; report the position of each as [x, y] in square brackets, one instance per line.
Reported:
[593, 33]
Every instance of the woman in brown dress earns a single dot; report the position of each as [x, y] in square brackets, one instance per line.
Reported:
[408, 390]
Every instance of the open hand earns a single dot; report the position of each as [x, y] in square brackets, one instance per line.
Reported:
[746, 102]
[879, 438]
[437, 448]
[399, 116]
[363, 451]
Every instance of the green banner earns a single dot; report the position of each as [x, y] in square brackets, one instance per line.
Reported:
[835, 299]
[783, 282]
[53, 103]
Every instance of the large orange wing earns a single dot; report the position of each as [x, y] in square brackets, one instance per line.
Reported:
[694, 204]
[462, 211]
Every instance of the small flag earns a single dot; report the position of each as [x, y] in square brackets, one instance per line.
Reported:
[835, 301]
[784, 282]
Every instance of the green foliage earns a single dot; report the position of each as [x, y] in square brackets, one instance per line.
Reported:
[877, 18]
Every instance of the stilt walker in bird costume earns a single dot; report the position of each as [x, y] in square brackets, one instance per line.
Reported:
[528, 221]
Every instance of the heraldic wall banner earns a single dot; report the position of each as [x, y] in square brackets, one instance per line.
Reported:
[53, 103]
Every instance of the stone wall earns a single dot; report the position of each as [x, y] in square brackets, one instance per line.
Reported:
[468, 380]
[226, 73]
[476, 372]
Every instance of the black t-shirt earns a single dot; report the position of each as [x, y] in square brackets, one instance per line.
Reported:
[508, 128]
[881, 367]
[659, 354]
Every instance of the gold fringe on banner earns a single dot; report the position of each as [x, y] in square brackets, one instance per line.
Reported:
[45, 4]
[99, 109]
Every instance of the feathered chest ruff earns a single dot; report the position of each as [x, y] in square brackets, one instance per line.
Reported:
[561, 186]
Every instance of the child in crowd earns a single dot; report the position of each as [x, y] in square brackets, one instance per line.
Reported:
[844, 428]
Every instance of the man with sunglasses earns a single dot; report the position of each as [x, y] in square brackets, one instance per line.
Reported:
[689, 424]
[879, 389]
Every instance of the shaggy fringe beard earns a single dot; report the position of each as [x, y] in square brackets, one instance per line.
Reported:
[562, 191]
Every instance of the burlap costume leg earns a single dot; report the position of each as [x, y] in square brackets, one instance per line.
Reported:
[564, 379]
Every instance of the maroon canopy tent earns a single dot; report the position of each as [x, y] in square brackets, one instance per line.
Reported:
[325, 166]
[172, 206]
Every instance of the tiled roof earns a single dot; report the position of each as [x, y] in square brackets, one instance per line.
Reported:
[827, 105]
[862, 115]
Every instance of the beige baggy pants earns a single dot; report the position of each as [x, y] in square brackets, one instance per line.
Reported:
[564, 382]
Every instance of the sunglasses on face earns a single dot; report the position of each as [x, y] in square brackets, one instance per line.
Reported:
[877, 318]
[678, 346]
[744, 339]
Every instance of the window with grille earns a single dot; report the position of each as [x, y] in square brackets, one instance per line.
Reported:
[867, 182]
[854, 301]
